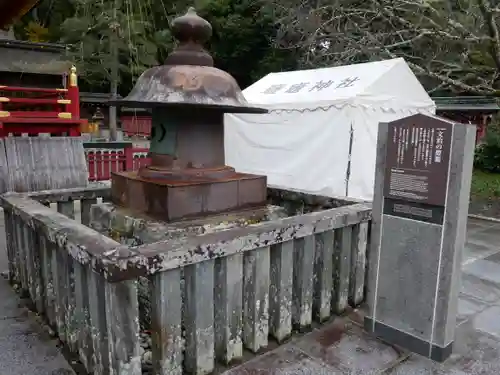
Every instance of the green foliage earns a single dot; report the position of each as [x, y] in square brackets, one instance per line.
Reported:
[487, 156]
[37, 33]
[139, 29]
[241, 43]
[97, 28]
[485, 185]
[49, 14]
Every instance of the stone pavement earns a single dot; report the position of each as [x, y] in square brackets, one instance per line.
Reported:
[342, 348]
[339, 348]
[25, 348]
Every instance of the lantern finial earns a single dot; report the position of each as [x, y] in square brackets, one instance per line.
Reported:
[192, 32]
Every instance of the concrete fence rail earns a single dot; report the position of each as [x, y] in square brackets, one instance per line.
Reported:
[212, 297]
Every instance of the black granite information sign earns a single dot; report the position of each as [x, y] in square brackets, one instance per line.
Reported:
[417, 160]
[420, 204]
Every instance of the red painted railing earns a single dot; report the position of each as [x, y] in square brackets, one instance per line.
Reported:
[34, 110]
[102, 161]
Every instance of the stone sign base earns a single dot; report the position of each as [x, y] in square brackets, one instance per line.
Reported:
[177, 199]
[407, 341]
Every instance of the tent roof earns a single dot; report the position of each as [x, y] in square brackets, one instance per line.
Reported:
[381, 81]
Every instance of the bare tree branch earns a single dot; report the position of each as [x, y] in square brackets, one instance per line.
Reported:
[450, 45]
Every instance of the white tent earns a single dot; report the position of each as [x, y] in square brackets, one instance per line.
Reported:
[321, 132]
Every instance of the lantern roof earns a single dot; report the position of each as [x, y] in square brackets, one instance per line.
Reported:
[188, 77]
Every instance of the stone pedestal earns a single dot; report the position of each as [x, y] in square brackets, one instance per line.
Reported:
[175, 199]
[135, 228]
[422, 185]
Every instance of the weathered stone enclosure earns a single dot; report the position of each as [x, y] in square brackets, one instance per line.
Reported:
[213, 295]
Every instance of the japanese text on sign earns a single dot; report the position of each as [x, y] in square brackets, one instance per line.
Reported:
[417, 160]
[439, 146]
[423, 145]
[316, 86]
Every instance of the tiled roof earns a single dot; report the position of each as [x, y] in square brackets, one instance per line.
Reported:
[27, 57]
[467, 103]
[95, 97]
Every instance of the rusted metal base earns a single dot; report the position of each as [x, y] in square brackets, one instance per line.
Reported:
[177, 199]
[197, 175]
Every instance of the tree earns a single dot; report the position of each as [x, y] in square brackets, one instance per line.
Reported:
[450, 44]
[100, 27]
[109, 41]
[35, 32]
[242, 39]
[241, 42]
[47, 15]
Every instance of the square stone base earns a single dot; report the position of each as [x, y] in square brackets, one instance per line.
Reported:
[171, 201]
[132, 228]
